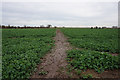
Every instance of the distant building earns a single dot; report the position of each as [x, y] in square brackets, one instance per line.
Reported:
[104, 27]
[114, 27]
[42, 26]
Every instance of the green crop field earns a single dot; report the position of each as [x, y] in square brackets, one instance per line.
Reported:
[22, 50]
[95, 49]
[104, 40]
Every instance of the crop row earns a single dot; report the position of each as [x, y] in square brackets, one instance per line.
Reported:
[104, 40]
[22, 50]
[93, 49]
[86, 59]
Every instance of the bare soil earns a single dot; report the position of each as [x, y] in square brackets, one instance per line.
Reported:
[106, 74]
[114, 54]
[54, 64]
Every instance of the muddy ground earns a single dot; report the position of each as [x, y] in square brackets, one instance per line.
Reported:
[54, 64]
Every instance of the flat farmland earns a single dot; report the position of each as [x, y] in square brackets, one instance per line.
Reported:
[96, 49]
[22, 50]
[60, 53]
[105, 40]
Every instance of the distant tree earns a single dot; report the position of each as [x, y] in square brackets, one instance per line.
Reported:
[3, 26]
[25, 26]
[13, 26]
[91, 27]
[8, 25]
[96, 27]
[48, 26]
[18, 26]
[55, 26]
[0, 26]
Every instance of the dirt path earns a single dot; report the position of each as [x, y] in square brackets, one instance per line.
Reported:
[54, 64]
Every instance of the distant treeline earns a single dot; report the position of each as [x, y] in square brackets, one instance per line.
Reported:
[22, 27]
[115, 27]
[48, 26]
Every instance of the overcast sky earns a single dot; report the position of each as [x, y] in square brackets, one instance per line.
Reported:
[60, 13]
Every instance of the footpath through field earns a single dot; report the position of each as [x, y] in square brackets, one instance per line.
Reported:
[54, 63]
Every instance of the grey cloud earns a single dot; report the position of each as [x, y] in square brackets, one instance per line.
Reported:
[72, 14]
